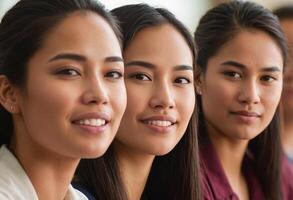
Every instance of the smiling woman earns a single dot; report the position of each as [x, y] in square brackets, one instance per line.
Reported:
[62, 95]
[154, 154]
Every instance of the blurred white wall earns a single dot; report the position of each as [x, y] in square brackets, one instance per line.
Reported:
[5, 5]
[272, 4]
[188, 11]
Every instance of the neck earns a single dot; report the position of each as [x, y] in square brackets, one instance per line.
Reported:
[135, 168]
[287, 133]
[49, 172]
[231, 153]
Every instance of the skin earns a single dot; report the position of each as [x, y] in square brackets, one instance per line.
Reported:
[159, 86]
[72, 77]
[287, 95]
[246, 80]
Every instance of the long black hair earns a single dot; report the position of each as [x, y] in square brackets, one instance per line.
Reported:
[173, 176]
[216, 28]
[22, 31]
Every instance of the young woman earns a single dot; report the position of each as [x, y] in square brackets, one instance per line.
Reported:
[154, 155]
[62, 94]
[285, 15]
[242, 52]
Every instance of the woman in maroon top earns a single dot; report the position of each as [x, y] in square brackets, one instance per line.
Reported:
[242, 52]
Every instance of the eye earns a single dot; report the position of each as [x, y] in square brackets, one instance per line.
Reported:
[233, 75]
[114, 75]
[140, 76]
[182, 80]
[268, 78]
[69, 72]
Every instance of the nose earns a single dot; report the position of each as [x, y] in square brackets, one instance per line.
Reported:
[162, 97]
[249, 93]
[95, 92]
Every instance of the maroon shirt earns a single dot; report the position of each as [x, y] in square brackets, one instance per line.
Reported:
[287, 179]
[215, 185]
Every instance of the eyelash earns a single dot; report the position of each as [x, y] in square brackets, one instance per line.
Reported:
[268, 77]
[75, 72]
[144, 77]
[231, 74]
[182, 78]
[139, 76]
[68, 72]
[111, 73]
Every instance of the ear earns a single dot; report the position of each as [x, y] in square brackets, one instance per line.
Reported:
[8, 95]
[198, 80]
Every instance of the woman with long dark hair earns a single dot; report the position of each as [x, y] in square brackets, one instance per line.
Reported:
[62, 94]
[154, 155]
[241, 58]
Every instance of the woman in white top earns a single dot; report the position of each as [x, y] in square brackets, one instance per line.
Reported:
[62, 94]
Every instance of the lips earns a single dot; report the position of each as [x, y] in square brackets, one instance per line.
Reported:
[246, 113]
[92, 119]
[159, 120]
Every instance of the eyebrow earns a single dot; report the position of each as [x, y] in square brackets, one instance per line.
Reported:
[152, 66]
[140, 63]
[183, 67]
[81, 58]
[242, 66]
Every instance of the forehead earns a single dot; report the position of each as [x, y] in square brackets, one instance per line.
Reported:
[159, 44]
[251, 48]
[82, 32]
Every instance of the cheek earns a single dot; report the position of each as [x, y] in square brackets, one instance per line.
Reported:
[216, 95]
[137, 98]
[185, 102]
[49, 100]
[271, 99]
[117, 97]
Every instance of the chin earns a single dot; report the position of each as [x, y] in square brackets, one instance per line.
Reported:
[246, 136]
[163, 150]
[94, 152]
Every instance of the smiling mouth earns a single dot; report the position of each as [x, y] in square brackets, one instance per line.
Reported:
[159, 123]
[91, 122]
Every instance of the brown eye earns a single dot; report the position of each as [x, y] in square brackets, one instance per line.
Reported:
[68, 72]
[140, 76]
[182, 80]
[233, 75]
[268, 78]
[114, 75]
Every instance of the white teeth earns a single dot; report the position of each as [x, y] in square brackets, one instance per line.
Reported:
[92, 122]
[160, 123]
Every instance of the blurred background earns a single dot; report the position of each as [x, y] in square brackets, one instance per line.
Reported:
[188, 11]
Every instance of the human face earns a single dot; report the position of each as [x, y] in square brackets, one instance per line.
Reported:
[287, 96]
[160, 91]
[75, 94]
[242, 85]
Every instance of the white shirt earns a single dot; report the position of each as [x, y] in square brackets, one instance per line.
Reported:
[16, 185]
